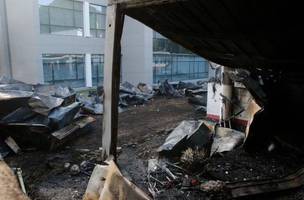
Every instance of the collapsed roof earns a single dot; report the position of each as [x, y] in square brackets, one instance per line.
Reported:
[235, 33]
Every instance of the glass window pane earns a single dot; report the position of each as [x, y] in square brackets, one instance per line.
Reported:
[47, 71]
[44, 29]
[80, 70]
[97, 69]
[64, 69]
[92, 21]
[78, 5]
[178, 67]
[104, 9]
[157, 35]
[95, 8]
[62, 4]
[62, 17]
[45, 2]
[97, 20]
[78, 19]
[44, 15]
[100, 33]
[100, 21]
[93, 32]
[65, 16]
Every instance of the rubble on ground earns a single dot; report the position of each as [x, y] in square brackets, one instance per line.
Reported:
[206, 179]
[34, 115]
[185, 151]
[129, 95]
[183, 163]
[195, 92]
[166, 89]
[189, 171]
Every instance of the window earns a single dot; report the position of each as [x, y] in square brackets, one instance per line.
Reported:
[162, 44]
[65, 69]
[97, 20]
[175, 63]
[62, 17]
[97, 69]
[178, 67]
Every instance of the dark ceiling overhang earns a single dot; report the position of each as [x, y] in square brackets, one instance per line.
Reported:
[235, 33]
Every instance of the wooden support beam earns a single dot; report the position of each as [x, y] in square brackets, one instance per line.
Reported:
[115, 19]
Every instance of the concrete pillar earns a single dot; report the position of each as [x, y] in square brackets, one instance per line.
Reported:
[137, 52]
[88, 70]
[86, 19]
[87, 33]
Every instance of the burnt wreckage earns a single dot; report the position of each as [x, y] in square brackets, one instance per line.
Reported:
[261, 37]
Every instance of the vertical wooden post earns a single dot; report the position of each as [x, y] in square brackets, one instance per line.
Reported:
[115, 19]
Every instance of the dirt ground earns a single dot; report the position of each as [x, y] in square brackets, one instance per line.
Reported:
[142, 130]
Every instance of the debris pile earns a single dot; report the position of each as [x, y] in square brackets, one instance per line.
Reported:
[129, 95]
[201, 135]
[184, 154]
[43, 116]
[166, 89]
[167, 180]
[92, 102]
[196, 92]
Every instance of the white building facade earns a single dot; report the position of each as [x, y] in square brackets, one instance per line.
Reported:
[62, 42]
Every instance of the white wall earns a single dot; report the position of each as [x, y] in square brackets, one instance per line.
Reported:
[66, 44]
[5, 67]
[27, 44]
[137, 52]
[23, 30]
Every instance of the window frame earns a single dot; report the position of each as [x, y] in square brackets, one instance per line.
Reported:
[78, 65]
[50, 25]
[95, 29]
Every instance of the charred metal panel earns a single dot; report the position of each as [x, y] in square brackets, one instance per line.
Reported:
[254, 33]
